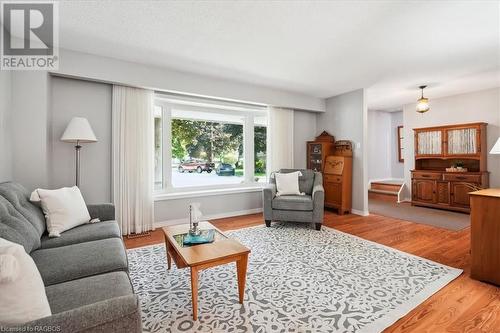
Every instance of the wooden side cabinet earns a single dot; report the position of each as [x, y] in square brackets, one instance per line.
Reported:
[485, 235]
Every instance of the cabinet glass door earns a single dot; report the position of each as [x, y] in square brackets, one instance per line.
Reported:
[316, 157]
[429, 143]
[462, 141]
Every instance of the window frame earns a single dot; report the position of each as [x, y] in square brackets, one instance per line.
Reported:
[167, 105]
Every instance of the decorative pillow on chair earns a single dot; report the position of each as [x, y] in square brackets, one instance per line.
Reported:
[288, 183]
[64, 208]
[22, 296]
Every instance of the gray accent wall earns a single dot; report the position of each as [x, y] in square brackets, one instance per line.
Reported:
[346, 119]
[30, 128]
[77, 98]
[5, 126]
[92, 100]
[211, 205]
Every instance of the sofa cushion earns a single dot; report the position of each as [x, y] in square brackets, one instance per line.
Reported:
[293, 202]
[287, 183]
[22, 295]
[64, 208]
[18, 196]
[306, 181]
[84, 233]
[15, 228]
[73, 294]
[66, 263]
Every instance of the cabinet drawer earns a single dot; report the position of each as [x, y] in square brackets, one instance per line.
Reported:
[463, 178]
[333, 178]
[426, 175]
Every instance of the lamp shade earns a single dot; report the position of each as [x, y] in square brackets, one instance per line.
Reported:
[496, 148]
[78, 130]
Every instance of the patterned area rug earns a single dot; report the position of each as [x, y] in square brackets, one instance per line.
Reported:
[299, 280]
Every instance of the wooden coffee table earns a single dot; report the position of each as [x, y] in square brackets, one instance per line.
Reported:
[198, 257]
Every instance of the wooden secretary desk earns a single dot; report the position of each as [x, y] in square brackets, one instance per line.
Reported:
[337, 178]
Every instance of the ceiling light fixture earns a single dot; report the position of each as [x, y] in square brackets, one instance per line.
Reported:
[422, 102]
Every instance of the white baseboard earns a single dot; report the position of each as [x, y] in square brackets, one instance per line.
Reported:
[360, 212]
[160, 224]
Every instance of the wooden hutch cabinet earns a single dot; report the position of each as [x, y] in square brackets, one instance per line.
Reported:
[318, 150]
[437, 181]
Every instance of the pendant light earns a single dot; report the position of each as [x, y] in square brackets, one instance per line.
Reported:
[422, 102]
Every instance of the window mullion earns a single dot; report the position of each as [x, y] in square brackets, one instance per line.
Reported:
[248, 148]
[167, 146]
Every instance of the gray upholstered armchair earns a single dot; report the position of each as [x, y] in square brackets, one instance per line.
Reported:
[296, 208]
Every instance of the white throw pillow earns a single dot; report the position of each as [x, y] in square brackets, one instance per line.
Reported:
[22, 293]
[64, 208]
[288, 183]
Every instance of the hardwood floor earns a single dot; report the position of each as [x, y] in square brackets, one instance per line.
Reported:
[464, 305]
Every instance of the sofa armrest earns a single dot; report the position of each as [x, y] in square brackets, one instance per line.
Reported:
[120, 314]
[268, 194]
[103, 212]
[318, 196]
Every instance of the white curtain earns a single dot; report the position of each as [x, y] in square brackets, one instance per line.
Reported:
[133, 158]
[280, 129]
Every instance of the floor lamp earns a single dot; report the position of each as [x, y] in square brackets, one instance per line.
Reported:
[78, 131]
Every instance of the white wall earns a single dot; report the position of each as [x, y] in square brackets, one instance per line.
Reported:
[304, 130]
[383, 158]
[379, 145]
[77, 98]
[5, 126]
[480, 106]
[118, 71]
[346, 118]
[397, 168]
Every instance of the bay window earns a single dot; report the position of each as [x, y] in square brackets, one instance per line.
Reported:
[208, 144]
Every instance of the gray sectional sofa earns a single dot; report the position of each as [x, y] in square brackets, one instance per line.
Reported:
[85, 271]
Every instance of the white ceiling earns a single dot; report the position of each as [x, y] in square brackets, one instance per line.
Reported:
[319, 48]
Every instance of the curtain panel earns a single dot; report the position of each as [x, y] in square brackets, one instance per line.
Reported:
[133, 158]
[280, 155]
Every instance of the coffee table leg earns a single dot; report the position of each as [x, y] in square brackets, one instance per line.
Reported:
[241, 267]
[194, 292]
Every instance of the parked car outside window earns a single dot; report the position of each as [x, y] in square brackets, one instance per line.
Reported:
[196, 165]
[225, 169]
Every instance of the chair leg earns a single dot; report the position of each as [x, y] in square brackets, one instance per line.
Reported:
[268, 223]
[318, 226]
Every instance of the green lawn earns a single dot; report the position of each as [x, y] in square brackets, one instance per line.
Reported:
[239, 173]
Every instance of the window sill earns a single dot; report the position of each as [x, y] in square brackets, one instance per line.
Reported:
[160, 196]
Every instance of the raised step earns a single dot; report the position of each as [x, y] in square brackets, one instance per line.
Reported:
[394, 193]
[390, 196]
[385, 186]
